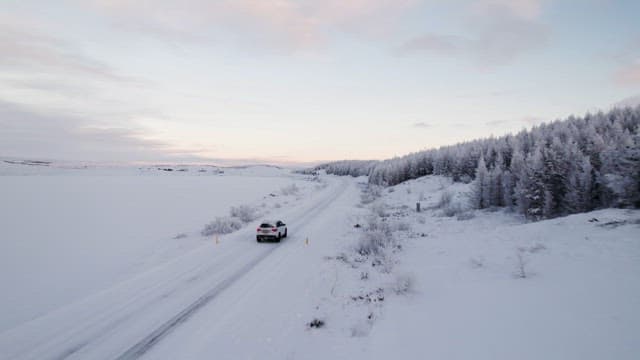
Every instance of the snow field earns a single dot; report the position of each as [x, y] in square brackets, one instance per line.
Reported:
[489, 285]
[66, 236]
[376, 280]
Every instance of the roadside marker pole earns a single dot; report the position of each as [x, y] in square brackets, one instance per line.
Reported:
[306, 242]
[217, 240]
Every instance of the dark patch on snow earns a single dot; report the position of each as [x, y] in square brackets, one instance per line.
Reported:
[28, 162]
[315, 323]
[616, 223]
[375, 296]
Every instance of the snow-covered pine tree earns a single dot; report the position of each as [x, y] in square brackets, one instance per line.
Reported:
[587, 162]
[480, 195]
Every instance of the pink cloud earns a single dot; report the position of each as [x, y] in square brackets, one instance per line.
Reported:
[28, 51]
[285, 23]
[525, 9]
[628, 75]
[499, 31]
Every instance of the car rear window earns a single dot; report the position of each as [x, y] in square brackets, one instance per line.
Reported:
[265, 225]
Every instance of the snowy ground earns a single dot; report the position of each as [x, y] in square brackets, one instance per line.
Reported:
[481, 285]
[69, 232]
[486, 285]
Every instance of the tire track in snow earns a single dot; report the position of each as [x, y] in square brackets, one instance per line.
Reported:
[141, 347]
[105, 328]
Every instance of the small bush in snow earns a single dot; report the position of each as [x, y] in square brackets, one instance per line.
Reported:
[452, 210]
[180, 236]
[290, 190]
[372, 243]
[370, 194]
[445, 199]
[244, 213]
[379, 209]
[374, 223]
[521, 263]
[221, 225]
[422, 220]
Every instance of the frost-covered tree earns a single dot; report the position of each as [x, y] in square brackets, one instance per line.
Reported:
[531, 192]
[480, 195]
[557, 168]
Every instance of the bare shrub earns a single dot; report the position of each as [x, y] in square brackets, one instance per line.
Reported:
[445, 199]
[372, 243]
[377, 236]
[374, 223]
[290, 190]
[180, 236]
[244, 212]
[452, 210]
[379, 209]
[422, 220]
[521, 263]
[370, 194]
[221, 225]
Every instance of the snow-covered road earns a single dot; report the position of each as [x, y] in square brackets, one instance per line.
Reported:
[206, 290]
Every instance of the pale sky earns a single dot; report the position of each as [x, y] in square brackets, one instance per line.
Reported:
[300, 81]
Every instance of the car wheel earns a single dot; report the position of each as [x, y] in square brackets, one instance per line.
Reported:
[258, 240]
[285, 232]
[278, 238]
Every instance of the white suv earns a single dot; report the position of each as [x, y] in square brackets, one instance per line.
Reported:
[271, 230]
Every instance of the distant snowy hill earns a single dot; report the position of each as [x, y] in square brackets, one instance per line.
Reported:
[15, 166]
[632, 101]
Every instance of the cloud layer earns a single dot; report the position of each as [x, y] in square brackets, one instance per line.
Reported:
[498, 31]
[28, 133]
[281, 24]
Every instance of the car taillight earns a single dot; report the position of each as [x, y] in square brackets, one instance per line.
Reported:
[274, 229]
[258, 229]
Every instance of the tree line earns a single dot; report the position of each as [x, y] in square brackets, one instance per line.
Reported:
[554, 169]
